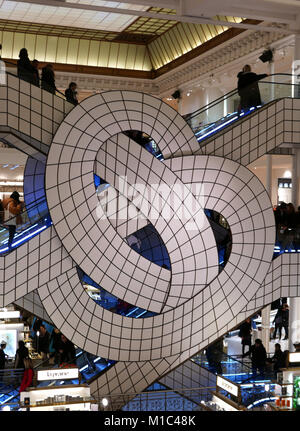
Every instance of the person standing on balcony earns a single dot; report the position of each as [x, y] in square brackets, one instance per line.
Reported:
[14, 207]
[25, 67]
[48, 79]
[248, 88]
[71, 93]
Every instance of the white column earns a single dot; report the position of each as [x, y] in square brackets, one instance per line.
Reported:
[295, 179]
[294, 322]
[265, 313]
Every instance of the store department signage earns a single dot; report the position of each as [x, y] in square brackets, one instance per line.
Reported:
[57, 374]
[294, 357]
[227, 386]
[9, 314]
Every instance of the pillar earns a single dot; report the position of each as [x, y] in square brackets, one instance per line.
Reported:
[265, 313]
[294, 322]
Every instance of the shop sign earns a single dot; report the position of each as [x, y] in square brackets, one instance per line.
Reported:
[227, 386]
[9, 314]
[294, 357]
[58, 374]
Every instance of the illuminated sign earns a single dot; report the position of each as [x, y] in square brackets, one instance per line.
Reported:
[9, 314]
[58, 374]
[227, 386]
[294, 357]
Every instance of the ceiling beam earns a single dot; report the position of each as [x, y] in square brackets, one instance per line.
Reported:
[258, 14]
[176, 18]
[169, 4]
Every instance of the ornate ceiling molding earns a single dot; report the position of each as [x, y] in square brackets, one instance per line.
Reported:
[220, 61]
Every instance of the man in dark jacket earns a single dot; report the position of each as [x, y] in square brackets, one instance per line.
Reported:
[248, 87]
[36, 76]
[245, 334]
[48, 79]
[67, 351]
[258, 357]
[279, 358]
[71, 93]
[285, 320]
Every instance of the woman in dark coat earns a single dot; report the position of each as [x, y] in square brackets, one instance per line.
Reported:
[21, 354]
[248, 87]
[48, 79]
[25, 68]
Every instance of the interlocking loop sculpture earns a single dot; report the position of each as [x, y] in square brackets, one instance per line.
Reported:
[193, 302]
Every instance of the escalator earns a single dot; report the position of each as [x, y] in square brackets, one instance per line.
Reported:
[206, 130]
[223, 113]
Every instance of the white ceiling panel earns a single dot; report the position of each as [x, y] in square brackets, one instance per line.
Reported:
[19, 11]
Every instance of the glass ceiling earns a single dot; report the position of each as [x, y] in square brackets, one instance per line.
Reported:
[71, 17]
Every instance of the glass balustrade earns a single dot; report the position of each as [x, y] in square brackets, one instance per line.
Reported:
[224, 111]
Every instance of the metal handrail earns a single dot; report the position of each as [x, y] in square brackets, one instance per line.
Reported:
[235, 91]
[27, 208]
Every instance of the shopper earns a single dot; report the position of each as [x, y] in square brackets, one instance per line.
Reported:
[21, 354]
[55, 345]
[3, 357]
[278, 322]
[248, 88]
[67, 352]
[279, 358]
[258, 357]
[48, 79]
[14, 207]
[71, 93]
[285, 320]
[28, 375]
[36, 76]
[214, 354]
[245, 334]
[43, 342]
[1, 212]
[25, 67]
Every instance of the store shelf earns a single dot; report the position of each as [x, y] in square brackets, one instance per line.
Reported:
[90, 401]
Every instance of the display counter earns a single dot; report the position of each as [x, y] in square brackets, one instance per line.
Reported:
[287, 390]
[54, 398]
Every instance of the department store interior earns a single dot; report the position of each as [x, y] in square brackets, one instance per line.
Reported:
[150, 206]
